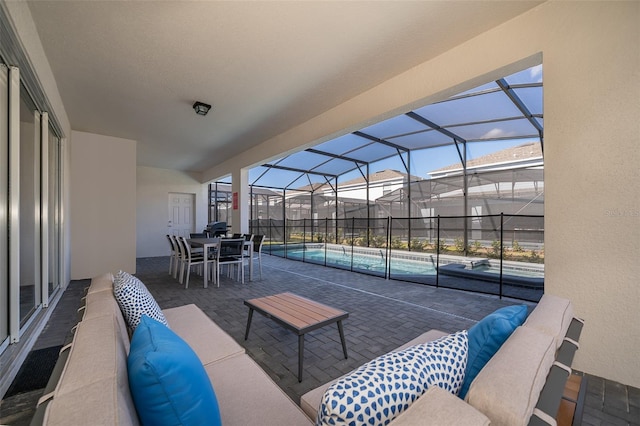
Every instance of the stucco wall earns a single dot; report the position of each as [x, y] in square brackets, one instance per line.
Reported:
[592, 138]
[103, 205]
[153, 188]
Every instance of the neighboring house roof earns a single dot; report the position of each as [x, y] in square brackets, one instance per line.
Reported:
[507, 158]
[379, 176]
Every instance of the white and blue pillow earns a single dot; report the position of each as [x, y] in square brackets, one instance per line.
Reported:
[381, 389]
[168, 383]
[135, 300]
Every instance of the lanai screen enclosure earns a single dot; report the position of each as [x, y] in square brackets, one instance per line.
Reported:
[450, 194]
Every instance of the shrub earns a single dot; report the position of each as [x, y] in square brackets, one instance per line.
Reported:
[417, 245]
[396, 243]
[496, 249]
[378, 241]
[475, 247]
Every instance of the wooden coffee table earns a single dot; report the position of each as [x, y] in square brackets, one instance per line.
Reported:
[299, 315]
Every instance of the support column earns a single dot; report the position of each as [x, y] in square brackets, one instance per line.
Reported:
[240, 201]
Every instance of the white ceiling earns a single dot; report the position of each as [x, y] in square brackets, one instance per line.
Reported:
[132, 69]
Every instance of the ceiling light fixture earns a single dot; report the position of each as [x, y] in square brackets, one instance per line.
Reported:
[201, 108]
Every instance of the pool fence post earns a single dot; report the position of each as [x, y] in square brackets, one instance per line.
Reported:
[326, 236]
[438, 253]
[304, 237]
[387, 261]
[353, 226]
[501, 248]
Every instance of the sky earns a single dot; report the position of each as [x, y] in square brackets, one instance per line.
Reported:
[470, 117]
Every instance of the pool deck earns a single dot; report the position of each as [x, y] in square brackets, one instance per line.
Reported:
[402, 311]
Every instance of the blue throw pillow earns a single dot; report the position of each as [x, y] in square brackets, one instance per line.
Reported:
[486, 337]
[167, 380]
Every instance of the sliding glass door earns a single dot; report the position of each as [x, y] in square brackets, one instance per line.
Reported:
[4, 207]
[29, 216]
[30, 207]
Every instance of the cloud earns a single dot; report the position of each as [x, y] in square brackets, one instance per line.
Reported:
[536, 73]
[497, 133]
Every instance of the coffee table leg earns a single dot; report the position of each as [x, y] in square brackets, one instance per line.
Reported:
[300, 356]
[344, 343]
[246, 334]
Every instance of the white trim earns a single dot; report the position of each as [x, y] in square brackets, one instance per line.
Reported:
[14, 204]
[44, 207]
[4, 200]
[37, 209]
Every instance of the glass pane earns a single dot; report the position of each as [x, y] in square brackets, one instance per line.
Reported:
[532, 98]
[335, 166]
[395, 126]
[303, 160]
[501, 130]
[277, 178]
[530, 75]
[4, 197]
[343, 145]
[484, 107]
[373, 152]
[53, 212]
[29, 203]
[422, 140]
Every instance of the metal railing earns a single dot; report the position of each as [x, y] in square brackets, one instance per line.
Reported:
[493, 254]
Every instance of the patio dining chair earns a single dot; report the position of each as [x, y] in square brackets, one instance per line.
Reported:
[230, 253]
[256, 253]
[189, 259]
[174, 256]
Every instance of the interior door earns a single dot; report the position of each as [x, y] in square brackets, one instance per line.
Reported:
[181, 214]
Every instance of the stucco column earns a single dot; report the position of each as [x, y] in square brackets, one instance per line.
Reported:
[240, 201]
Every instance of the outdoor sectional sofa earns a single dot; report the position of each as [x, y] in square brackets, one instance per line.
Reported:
[521, 383]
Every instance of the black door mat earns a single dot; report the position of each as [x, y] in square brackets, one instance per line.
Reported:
[35, 371]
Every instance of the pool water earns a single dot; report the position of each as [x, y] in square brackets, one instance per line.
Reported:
[362, 262]
[376, 264]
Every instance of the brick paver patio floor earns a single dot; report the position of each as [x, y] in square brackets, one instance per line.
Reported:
[382, 316]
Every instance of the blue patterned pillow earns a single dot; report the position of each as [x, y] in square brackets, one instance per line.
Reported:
[383, 388]
[135, 300]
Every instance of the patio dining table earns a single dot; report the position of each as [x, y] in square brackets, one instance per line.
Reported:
[212, 243]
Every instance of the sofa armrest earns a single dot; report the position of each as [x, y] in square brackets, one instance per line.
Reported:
[438, 407]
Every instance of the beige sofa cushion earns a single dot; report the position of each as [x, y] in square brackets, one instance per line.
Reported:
[247, 396]
[101, 282]
[508, 387]
[101, 303]
[310, 401]
[205, 337]
[94, 388]
[552, 316]
[437, 407]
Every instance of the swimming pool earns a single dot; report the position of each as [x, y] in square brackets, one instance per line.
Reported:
[374, 261]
